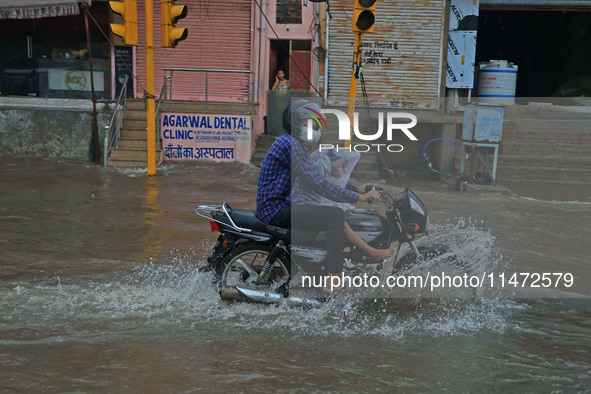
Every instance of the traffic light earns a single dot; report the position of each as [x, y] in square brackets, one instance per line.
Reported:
[364, 16]
[128, 11]
[170, 14]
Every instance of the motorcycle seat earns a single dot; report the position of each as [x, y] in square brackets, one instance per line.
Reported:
[248, 219]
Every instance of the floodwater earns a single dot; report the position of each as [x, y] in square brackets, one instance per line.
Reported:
[100, 291]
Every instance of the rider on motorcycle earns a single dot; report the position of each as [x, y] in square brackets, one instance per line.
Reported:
[288, 154]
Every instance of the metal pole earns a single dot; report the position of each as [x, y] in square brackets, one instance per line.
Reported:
[106, 147]
[151, 134]
[353, 89]
[248, 94]
[95, 137]
[206, 74]
[170, 89]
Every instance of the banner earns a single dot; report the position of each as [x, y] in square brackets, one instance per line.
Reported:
[62, 79]
[206, 136]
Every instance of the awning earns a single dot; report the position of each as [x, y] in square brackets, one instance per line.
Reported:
[33, 9]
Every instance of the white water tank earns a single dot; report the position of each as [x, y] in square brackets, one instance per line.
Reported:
[496, 82]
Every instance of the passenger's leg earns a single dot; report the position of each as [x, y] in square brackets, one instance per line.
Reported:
[376, 254]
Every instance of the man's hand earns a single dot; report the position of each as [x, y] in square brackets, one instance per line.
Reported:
[361, 189]
[371, 193]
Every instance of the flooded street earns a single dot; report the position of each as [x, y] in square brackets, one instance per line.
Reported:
[100, 291]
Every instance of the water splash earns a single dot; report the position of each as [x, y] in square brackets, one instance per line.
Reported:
[162, 296]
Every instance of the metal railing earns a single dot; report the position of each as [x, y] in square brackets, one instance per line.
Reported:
[237, 88]
[113, 130]
[162, 101]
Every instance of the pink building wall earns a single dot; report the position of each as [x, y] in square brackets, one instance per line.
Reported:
[262, 48]
[220, 38]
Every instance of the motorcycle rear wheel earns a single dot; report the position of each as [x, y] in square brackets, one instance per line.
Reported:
[242, 265]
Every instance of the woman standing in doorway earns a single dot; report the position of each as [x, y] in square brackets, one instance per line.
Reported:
[280, 82]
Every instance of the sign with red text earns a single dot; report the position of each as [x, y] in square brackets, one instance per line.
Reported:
[206, 136]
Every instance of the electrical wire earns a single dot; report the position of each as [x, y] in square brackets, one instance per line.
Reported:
[127, 66]
[344, 11]
[366, 97]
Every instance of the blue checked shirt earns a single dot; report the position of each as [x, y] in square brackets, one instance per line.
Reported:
[274, 185]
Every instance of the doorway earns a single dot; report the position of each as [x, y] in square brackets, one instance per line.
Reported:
[297, 67]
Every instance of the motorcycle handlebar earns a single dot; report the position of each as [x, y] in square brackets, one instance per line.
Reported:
[383, 193]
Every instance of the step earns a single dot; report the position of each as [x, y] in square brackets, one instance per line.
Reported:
[135, 105]
[515, 147]
[130, 157]
[132, 143]
[366, 166]
[543, 173]
[127, 163]
[557, 136]
[129, 154]
[562, 161]
[547, 125]
[134, 124]
[362, 177]
[265, 142]
[133, 133]
[136, 115]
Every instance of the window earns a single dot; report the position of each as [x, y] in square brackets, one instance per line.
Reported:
[289, 12]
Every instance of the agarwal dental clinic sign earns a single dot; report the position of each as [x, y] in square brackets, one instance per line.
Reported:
[206, 136]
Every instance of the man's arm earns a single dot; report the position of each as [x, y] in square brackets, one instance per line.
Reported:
[303, 168]
[352, 186]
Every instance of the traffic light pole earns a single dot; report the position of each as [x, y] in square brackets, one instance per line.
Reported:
[151, 105]
[355, 69]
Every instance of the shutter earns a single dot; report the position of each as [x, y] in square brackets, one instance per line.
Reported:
[219, 38]
[532, 4]
[402, 59]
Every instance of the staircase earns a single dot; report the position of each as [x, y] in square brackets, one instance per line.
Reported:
[131, 150]
[546, 151]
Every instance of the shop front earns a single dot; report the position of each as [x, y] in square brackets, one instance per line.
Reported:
[54, 59]
[44, 50]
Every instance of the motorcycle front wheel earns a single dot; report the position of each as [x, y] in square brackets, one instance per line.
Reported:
[242, 266]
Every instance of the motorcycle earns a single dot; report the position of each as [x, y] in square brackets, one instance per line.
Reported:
[252, 261]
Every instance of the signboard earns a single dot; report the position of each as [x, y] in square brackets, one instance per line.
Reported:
[461, 56]
[461, 44]
[63, 79]
[463, 14]
[482, 124]
[215, 137]
[123, 65]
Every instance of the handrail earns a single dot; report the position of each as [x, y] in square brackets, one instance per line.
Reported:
[249, 89]
[113, 129]
[159, 107]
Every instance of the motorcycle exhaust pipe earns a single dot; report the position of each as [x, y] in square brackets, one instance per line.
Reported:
[231, 293]
[241, 294]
